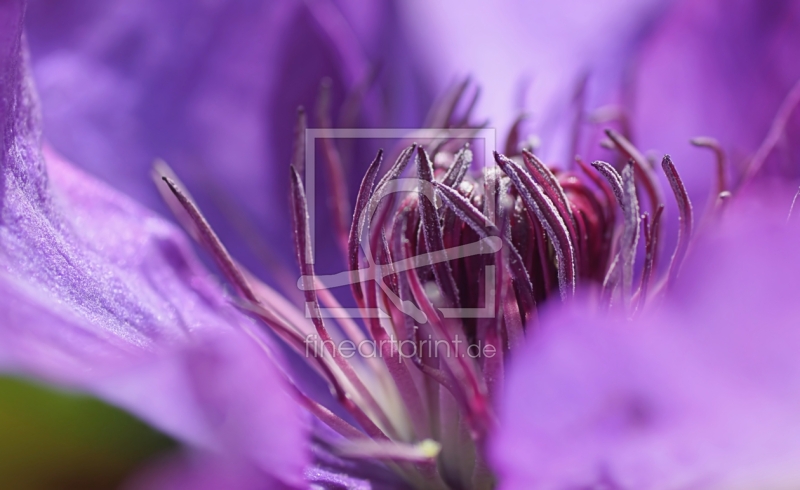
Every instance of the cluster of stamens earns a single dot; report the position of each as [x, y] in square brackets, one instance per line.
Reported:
[448, 266]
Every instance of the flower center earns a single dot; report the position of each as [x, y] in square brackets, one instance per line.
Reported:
[448, 263]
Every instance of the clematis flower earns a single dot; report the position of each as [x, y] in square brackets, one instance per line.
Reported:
[105, 297]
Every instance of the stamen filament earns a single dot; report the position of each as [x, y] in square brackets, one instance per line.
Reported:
[542, 209]
[643, 170]
[650, 252]
[212, 243]
[686, 217]
[422, 452]
[432, 232]
[303, 250]
[357, 225]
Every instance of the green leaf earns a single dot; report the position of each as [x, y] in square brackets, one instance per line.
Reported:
[52, 440]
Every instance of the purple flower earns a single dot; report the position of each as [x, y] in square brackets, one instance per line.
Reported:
[698, 393]
[637, 359]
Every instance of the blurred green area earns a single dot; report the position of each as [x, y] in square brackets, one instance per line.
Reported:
[52, 440]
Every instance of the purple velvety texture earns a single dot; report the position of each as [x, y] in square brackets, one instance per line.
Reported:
[530, 56]
[202, 471]
[700, 393]
[721, 69]
[100, 295]
[212, 88]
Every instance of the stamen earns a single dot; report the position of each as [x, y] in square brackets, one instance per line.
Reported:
[543, 209]
[481, 225]
[161, 169]
[721, 182]
[329, 418]
[602, 185]
[650, 252]
[511, 313]
[719, 156]
[391, 356]
[469, 390]
[493, 367]
[539, 236]
[643, 170]
[608, 214]
[432, 232]
[613, 177]
[547, 179]
[511, 265]
[686, 217]
[423, 452]
[357, 225]
[299, 146]
[461, 162]
[630, 233]
[348, 326]
[342, 397]
[212, 243]
[615, 182]
[382, 189]
[388, 353]
[292, 338]
[303, 251]
[611, 280]
[553, 190]
[437, 375]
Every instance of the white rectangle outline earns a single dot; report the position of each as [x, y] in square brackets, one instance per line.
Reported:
[312, 134]
[488, 135]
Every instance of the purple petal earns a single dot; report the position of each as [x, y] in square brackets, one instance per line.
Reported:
[720, 69]
[201, 472]
[530, 56]
[331, 472]
[103, 296]
[701, 393]
[212, 88]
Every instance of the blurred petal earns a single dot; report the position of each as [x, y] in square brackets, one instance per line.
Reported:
[201, 472]
[701, 394]
[101, 295]
[530, 56]
[212, 87]
[718, 68]
[208, 471]
[330, 471]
